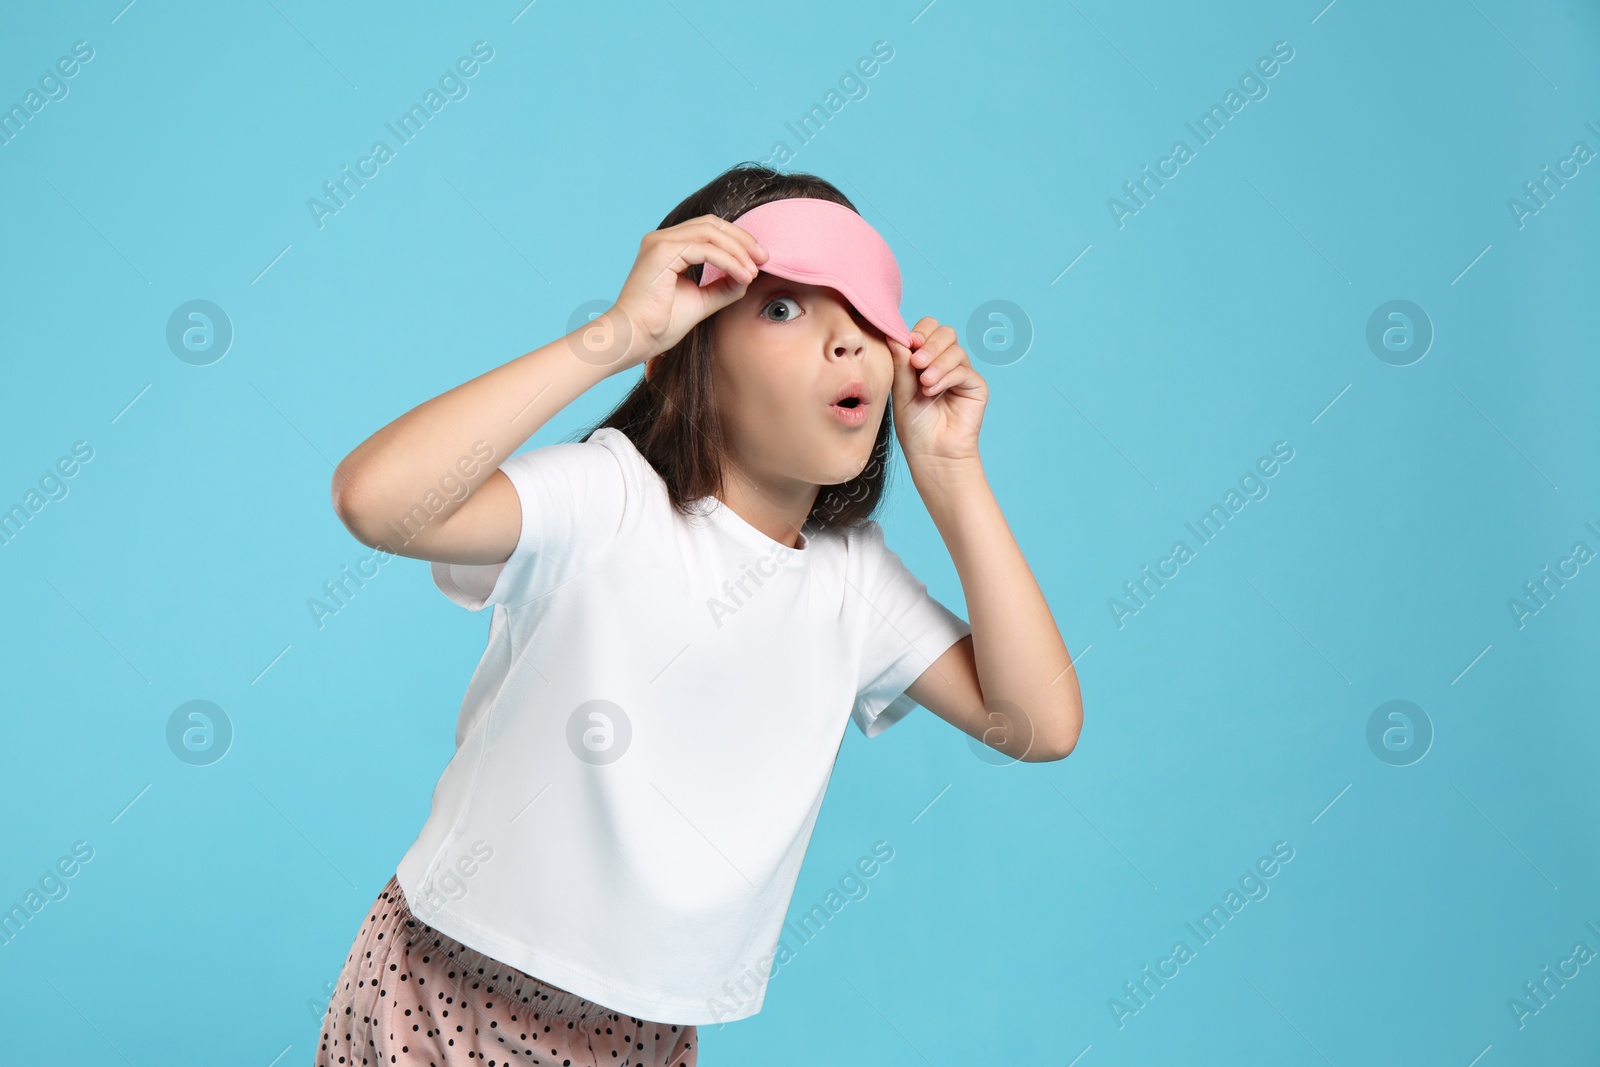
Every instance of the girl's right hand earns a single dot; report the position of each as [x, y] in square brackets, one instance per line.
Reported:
[659, 305]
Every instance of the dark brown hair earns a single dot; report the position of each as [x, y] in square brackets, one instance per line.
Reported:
[671, 415]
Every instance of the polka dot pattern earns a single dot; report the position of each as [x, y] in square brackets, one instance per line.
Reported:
[411, 995]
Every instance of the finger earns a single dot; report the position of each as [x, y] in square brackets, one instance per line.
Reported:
[677, 259]
[753, 247]
[721, 232]
[932, 348]
[961, 375]
[735, 239]
[724, 291]
[947, 361]
[703, 234]
[944, 336]
[952, 355]
[726, 241]
[916, 355]
[905, 373]
[935, 338]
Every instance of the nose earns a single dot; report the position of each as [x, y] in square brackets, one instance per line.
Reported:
[849, 337]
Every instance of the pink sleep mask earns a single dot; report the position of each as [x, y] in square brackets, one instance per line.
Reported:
[823, 243]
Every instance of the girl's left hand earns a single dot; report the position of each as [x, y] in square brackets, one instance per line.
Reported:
[938, 397]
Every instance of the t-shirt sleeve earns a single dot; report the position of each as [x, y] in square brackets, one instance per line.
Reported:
[906, 629]
[572, 496]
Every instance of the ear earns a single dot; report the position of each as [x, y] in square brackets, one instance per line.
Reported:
[650, 365]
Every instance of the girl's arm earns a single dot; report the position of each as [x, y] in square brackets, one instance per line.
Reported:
[428, 485]
[401, 487]
[1012, 683]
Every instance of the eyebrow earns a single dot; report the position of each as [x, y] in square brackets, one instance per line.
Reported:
[771, 281]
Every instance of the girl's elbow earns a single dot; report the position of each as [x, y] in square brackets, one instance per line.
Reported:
[1060, 745]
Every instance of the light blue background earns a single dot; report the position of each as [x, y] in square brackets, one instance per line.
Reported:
[1230, 313]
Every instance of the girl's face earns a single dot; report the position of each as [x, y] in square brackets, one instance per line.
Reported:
[783, 353]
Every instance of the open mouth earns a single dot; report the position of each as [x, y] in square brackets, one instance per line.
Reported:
[851, 402]
[851, 411]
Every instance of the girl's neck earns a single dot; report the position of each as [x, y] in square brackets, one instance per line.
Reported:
[778, 515]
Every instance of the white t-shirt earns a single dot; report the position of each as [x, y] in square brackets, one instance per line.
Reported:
[644, 747]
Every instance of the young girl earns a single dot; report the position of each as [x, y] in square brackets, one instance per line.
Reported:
[688, 604]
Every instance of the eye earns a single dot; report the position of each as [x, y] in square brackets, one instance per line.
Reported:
[787, 316]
